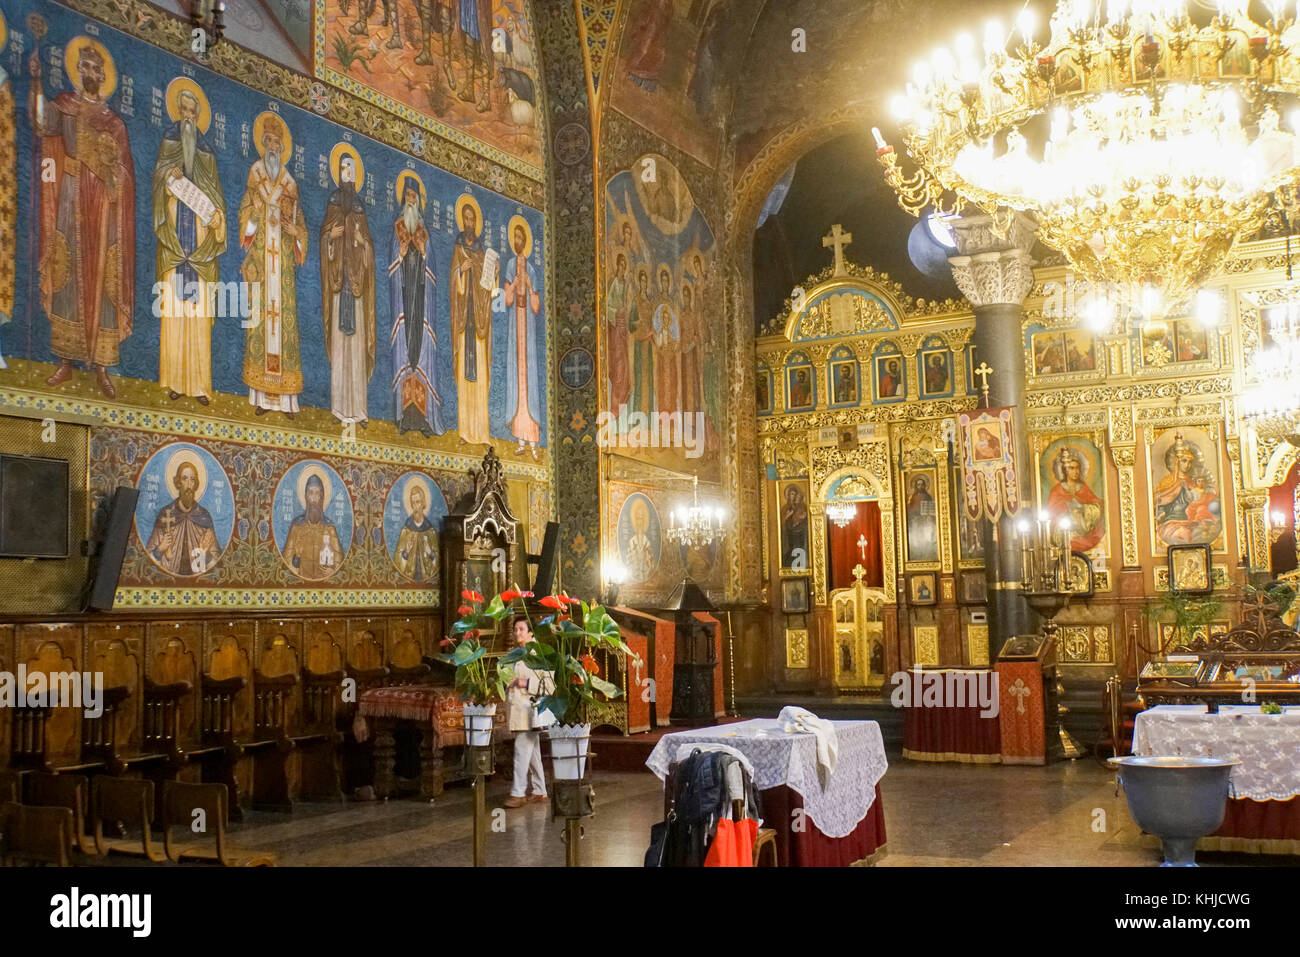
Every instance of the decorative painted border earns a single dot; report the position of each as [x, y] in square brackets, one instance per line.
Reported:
[169, 424]
[306, 598]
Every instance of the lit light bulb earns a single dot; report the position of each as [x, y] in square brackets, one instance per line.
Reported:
[1025, 23]
[1209, 308]
[943, 63]
[994, 39]
[965, 45]
[880, 140]
[1022, 527]
[901, 107]
[1279, 519]
[921, 75]
[1044, 515]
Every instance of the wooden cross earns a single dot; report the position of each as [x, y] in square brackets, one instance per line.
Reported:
[862, 546]
[984, 370]
[838, 239]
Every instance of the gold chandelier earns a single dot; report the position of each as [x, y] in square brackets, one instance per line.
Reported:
[1146, 137]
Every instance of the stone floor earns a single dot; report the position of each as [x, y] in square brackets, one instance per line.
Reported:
[936, 814]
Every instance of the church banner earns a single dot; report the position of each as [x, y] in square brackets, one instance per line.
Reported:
[988, 464]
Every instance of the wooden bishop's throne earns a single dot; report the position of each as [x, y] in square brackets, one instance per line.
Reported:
[480, 542]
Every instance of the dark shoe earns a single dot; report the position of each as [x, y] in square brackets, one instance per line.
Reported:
[359, 28]
[290, 415]
[173, 394]
[259, 411]
[61, 374]
[203, 399]
[105, 383]
[424, 58]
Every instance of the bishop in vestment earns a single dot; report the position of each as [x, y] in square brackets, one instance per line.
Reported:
[471, 327]
[189, 244]
[273, 234]
[86, 223]
[416, 401]
[347, 269]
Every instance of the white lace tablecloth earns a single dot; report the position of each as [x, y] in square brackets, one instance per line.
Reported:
[1267, 745]
[786, 759]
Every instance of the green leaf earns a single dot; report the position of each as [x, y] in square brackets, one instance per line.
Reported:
[496, 609]
[604, 687]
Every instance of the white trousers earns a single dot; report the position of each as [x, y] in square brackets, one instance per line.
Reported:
[528, 764]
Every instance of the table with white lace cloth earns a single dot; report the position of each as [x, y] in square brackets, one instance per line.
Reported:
[790, 760]
[1267, 745]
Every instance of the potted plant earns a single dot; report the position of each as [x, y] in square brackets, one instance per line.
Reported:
[562, 644]
[480, 685]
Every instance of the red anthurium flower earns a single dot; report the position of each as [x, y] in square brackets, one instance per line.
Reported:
[567, 600]
[576, 680]
[550, 601]
[509, 595]
[525, 594]
[589, 665]
[471, 596]
[464, 610]
[472, 634]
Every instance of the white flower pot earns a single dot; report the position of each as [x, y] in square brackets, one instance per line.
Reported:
[569, 750]
[478, 724]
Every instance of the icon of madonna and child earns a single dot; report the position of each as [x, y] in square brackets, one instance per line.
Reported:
[1185, 496]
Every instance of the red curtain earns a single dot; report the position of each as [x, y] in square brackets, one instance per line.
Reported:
[843, 552]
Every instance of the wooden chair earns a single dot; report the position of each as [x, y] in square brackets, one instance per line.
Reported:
[318, 738]
[67, 791]
[123, 801]
[766, 841]
[36, 835]
[179, 804]
[276, 705]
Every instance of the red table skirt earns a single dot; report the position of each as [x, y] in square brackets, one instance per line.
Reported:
[810, 847]
[1258, 827]
[951, 734]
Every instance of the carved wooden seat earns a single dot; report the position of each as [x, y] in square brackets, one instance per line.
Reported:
[319, 736]
[118, 802]
[36, 835]
[203, 809]
[276, 686]
[48, 738]
[406, 664]
[62, 790]
[168, 702]
[224, 722]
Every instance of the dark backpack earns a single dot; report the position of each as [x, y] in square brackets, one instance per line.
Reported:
[697, 799]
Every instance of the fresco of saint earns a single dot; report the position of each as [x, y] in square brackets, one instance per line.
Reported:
[189, 223]
[86, 223]
[273, 234]
[471, 324]
[416, 555]
[416, 400]
[313, 548]
[183, 541]
[347, 269]
[523, 364]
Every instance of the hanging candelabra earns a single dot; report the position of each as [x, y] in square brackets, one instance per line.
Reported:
[696, 525]
[207, 25]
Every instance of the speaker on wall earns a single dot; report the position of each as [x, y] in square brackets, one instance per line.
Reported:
[112, 549]
[544, 581]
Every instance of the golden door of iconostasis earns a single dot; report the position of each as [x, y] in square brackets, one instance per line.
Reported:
[858, 635]
[854, 561]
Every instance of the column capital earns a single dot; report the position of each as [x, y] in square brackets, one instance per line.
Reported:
[1001, 277]
[976, 233]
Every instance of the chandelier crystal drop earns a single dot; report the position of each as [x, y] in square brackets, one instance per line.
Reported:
[841, 512]
[696, 526]
[1271, 403]
[1146, 137]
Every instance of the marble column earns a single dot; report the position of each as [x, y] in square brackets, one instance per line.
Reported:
[995, 275]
